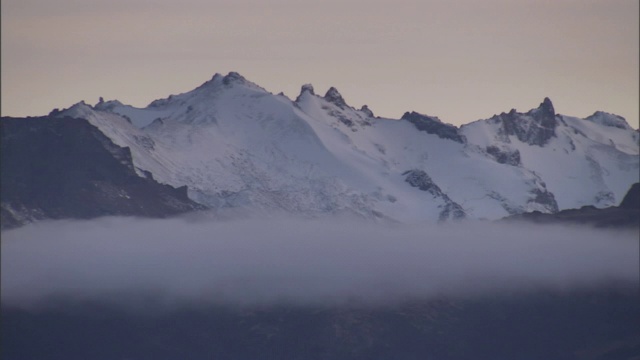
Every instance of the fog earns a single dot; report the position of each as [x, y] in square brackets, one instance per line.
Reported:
[307, 262]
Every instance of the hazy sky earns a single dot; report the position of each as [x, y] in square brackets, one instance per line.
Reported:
[459, 60]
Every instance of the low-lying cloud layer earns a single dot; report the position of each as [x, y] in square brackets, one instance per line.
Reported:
[305, 262]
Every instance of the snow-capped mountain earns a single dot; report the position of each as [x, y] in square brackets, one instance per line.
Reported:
[236, 145]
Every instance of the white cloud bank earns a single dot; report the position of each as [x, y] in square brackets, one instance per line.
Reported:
[305, 262]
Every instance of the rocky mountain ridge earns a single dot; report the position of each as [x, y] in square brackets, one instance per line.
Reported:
[234, 145]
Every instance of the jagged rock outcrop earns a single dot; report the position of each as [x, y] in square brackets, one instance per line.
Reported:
[504, 156]
[545, 198]
[535, 127]
[334, 97]
[433, 125]
[421, 180]
[365, 109]
[306, 88]
[233, 77]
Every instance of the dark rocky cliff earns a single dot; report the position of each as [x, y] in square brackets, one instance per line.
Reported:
[56, 168]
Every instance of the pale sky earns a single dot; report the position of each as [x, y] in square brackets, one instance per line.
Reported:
[460, 60]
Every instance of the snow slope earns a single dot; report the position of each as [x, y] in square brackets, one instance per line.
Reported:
[585, 163]
[235, 145]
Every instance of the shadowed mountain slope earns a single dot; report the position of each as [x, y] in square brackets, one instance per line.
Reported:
[58, 168]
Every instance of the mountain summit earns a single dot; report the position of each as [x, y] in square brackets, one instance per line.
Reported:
[334, 97]
[545, 111]
[233, 145]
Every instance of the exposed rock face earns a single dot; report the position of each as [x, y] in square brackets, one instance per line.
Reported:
[308, 88]
[365, 109]
[55, 168]
[545, 114]
[537, 196]
[233, 77]
[334, 97]
[504, 156]
[433, 125]
[422, 181]
[534, 127]
[546, 198]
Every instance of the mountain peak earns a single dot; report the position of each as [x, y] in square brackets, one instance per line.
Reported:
[217, 82]
[519, 124]
[547, 107]
[307, 88]
[78, 110]
[334, 97]
[80, 107]
[544, 113]
[233, 77]
[107, 105]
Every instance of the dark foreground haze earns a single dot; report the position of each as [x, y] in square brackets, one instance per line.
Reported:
[125, 288]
